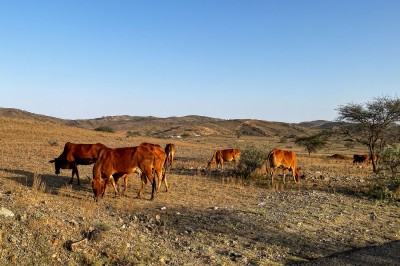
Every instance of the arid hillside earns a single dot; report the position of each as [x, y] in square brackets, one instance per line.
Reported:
[187, 126]
[209, 217]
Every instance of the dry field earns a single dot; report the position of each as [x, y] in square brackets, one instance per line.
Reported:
[207, 217]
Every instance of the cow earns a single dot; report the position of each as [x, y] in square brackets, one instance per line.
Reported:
[283, 159]
[170, 151]
[221, 156]
[160, 160]
[377, 159]
[120, 162]
[360, 158]
[74, 155]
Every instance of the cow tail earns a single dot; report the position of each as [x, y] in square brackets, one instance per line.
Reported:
[268, 164]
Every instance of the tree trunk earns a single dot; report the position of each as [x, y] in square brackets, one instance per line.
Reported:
[372, 154]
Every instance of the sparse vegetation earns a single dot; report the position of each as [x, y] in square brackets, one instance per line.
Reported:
[311, 143]
[251, 159]
[390, 160]
[132, 134]
[372, 124]
[207, 217]
[105, 129]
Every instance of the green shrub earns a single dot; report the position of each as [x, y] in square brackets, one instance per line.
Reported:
[390, 160]
[251, 159]
[132, 134]
[105, 129]
[387, 190]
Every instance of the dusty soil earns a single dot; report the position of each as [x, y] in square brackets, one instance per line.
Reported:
[207, 217]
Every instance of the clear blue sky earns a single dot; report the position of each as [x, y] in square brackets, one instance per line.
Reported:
[276, 60]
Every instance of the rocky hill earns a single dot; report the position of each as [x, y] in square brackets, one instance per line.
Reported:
[192, 125]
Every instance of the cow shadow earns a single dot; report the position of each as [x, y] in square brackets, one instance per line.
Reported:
[53, 183]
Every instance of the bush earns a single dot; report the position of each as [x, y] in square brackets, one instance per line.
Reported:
[251, 159]
[389, 171]
[390, 160]
[105, 129]
[388, 190]
[132, 134]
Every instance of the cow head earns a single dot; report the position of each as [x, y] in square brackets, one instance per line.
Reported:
[57, 165]
[60, 163]
[98, 187]
[213, 160]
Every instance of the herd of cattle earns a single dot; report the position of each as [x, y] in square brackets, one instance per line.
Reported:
[148, 160]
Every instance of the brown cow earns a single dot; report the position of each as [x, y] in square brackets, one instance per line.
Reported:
[170, 151]
[221, 156]
[74, 155]
[360, 158]
[159, 163]
[160, 159]
[120, 162]
[283, 159]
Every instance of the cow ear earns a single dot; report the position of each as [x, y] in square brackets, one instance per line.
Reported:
[52, 161]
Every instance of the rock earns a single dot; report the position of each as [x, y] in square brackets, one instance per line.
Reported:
[95, 235]
[21, 217]
[6, 212]
[77, 245]
[12, 239]
[12, 258]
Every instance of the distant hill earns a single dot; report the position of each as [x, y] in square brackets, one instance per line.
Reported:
[191, 125]
[320, 124]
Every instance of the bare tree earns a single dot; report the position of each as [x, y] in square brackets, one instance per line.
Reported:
[373, 123]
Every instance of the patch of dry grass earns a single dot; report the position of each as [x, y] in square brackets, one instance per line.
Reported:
[207, 217]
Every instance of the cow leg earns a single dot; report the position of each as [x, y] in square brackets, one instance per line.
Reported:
[294, 175]
[165, 182]
[284, 176]
[126, 184]
[75, 171]
[144, 182]
[152, 180]
[108, 180]
[153, 187]
[273, 172]
[160, 175]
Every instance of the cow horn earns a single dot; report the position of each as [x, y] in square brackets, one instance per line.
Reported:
[52, 161]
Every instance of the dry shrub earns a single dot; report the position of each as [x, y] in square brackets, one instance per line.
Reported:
[38, 184]
[66, 190]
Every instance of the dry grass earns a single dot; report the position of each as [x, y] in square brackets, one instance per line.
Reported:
[207, 217]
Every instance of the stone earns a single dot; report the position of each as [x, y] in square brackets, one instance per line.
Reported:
[6, 212]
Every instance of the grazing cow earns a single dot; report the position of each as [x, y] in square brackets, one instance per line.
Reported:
[120, 162]
[286, 160]
[74, 155]
[170, 151]
[377, 159]
[221, 156]
[160, 160]
[360, 158]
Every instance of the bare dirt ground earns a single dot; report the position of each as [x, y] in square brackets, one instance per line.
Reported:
[207, 217]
